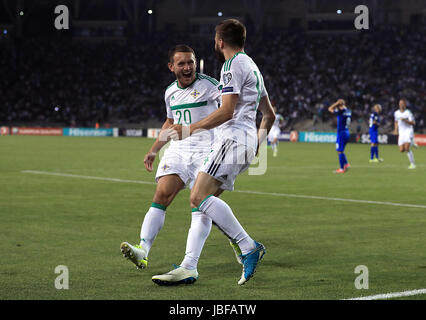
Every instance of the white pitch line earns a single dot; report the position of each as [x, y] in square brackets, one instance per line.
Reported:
[391, 295]
[86, 177]
[288, 195]
[333, 199]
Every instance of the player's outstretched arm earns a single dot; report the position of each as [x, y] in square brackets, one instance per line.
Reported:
[157, 145]
[268, 118]
[221, 115]
[214, 119]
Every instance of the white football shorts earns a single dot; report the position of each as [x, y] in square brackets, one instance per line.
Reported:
[184, 164]
[226, 161]
[405, 136]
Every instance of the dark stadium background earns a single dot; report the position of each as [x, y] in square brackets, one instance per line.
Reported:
[110, 66]
[70, 201]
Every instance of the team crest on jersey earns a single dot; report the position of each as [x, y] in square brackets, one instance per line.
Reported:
[195, 93]
[165, 167]
[227, 78]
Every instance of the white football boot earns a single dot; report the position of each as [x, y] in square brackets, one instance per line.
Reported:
[179, 275]
[135, 254]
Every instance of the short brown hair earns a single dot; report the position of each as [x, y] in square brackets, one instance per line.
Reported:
[232, 32]
[179, 48]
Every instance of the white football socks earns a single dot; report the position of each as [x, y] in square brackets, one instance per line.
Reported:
[151, 226]
[410, 156]
[223, 217]
[201, 225]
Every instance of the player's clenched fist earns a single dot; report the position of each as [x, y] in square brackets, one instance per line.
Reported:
[149, 160]
[175, 132]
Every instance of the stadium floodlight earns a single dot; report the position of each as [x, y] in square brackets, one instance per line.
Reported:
[339, 11]
[201, 65]
[21, 13]
[150, 11]
[5, 31]
[219, 14]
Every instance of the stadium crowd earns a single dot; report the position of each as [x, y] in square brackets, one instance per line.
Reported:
[78, 83]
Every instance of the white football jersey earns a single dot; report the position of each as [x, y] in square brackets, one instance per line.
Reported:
[192, 104]
[240, 75]
[403, 126]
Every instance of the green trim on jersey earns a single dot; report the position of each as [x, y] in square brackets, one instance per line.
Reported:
[258, 90]
[227, 64]
[206, 77]
[189, 105]
[171, 84]
[196, 78]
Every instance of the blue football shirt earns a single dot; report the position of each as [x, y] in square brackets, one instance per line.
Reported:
[374, 117]
[343, 119]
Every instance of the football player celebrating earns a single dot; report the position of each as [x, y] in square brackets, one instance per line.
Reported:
[190, 98]
[237, 142]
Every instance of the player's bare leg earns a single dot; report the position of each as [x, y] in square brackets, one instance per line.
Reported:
[204, 186]
[167, 188]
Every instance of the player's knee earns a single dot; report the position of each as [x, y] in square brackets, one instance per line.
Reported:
[164, 197]
[195, 199]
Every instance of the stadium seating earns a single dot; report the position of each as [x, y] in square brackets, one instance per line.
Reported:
[68, 83]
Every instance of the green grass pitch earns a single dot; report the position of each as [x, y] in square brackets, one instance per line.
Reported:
[313, 245]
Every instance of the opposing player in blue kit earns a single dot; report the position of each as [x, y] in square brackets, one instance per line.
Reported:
[343, 122]
[374, 123]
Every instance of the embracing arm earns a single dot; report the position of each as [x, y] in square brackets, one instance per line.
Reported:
[221, 115]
